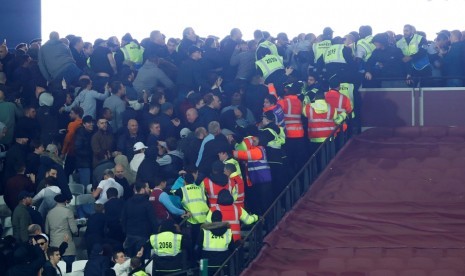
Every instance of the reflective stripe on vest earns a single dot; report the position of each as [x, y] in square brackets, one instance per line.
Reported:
[339, 104]
[294, 127]
[366, 44]
[279, 114]
[216, 243]
[215, 189]
[234, 221]
[334, 54]
[323, 127]
[319, 49]
[270, 46]
[259, 170]
[166, 244]
[269, 64]
[411, 48]
[195, 201]
[133, 52]
[279, 139]
[347, 89]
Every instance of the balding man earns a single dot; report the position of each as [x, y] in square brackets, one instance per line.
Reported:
[192, 117]
[129, 138]
[208, 152]
[120, 177]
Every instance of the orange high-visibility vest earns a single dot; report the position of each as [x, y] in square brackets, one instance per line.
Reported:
[292, 119]
[340, 101]
[232, 215]
[272, 90]
[320, 125]
[237, 182]
[213, 190]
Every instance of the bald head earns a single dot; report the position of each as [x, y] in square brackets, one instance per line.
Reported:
[191, 115]
[119, 171]
[133, 127]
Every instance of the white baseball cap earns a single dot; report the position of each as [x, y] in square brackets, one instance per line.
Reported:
[139, 146]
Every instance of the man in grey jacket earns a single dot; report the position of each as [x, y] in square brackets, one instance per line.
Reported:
[150, 75]
[56, 61]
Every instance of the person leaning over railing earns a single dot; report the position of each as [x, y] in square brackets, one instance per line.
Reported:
[386, 63]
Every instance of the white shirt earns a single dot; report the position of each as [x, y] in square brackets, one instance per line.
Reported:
[105, 185]
[122, 269]
[136, 160]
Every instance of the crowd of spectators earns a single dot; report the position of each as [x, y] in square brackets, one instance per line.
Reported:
[143, 125]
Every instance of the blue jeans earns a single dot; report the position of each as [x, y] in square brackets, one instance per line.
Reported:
[84, 176]
[85, 210]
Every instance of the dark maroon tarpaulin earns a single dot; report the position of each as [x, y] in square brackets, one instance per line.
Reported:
[391, 203]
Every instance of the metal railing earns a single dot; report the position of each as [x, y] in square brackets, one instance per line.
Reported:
[251, 245]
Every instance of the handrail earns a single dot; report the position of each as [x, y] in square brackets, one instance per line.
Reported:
[233, 263]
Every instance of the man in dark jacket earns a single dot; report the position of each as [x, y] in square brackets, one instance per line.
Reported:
[210, 111]
[51, 267]
[28, 260]
[16, 184]
[138, 220]
[191, 75]
[149, 168]
[16, 154]
[83, 149]
[130, 137]
[99, 261]
[454, 59]
[169, 127]
[209, 153]
[52, 165]
[56, 61]
[113, 210]
[119, 171]
[217, 252]
[29, 124]
[386, 62]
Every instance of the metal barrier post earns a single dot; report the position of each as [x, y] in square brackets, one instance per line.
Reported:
[204, 267]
